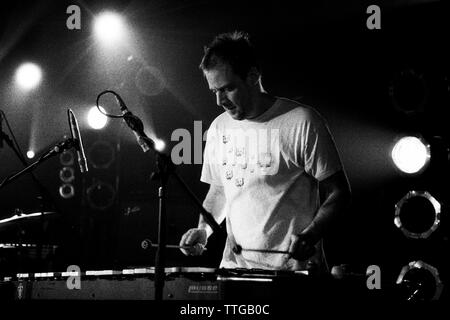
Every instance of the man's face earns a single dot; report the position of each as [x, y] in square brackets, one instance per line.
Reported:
[232, 92]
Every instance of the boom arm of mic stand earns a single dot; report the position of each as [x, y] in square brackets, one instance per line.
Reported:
[58, 148]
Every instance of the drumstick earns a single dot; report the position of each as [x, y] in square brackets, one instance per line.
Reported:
[146, 243]
[238, 249]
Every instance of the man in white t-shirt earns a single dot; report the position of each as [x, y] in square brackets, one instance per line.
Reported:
[272, 166]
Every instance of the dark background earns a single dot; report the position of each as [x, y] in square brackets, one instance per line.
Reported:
[321, 54]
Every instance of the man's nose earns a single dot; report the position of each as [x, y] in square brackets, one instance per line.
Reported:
[220, 97]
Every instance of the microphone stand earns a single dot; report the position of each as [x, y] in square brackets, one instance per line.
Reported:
[44, 197]
[164, 169]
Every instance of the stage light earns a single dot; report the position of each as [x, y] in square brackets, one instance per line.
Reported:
[67, 174]
[101, 154]
[160, 145]
[28, 76]
[66, 158]
[67, 191]
[30, 154]
[409, 91]
[419, 281]
[109, 28]
[411, 154]
[101, 195]
[417, 214]
[150, 81]
[96, 119]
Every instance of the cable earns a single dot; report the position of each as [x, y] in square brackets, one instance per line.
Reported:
[104, 113]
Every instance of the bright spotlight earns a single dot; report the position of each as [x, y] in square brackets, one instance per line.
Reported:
[411, 154]
[96, 119]
[160, 145]
[109, 27]
[28, 76]
[30, 154]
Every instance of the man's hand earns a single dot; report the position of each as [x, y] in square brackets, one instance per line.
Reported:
[302, 247]
[196, 239]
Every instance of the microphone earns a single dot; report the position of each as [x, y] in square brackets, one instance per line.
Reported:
[136, 125]
[75, 131]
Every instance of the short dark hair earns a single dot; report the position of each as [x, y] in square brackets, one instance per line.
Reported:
[233, 48]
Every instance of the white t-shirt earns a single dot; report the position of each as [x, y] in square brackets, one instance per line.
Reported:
[269, 168]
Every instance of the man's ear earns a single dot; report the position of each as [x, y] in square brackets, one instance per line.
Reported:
[253, 76]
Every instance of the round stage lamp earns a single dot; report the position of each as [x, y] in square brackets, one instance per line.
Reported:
[67, 174]
[101, 195]
[409, 91]
[411, 154]
[30, 154]
[160, 145]
[420, 282]
[28, 76]
[66, 158]
[109, 28]
[101, 154]
[67, 191]
[96, 119]
[417, 214]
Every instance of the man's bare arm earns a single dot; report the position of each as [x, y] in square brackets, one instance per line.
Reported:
[196, 238]
[214, 203]
[335, 197]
